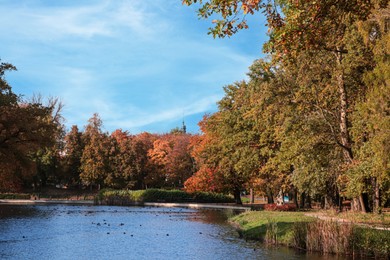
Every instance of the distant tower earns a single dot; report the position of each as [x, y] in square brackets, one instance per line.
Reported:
[184, 128]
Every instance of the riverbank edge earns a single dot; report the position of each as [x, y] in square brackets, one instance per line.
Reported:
[145, 204]
[266, 233]
[45, 201]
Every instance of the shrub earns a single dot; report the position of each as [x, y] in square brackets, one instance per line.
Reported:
[14, 196]
[371, 242]
[128, 197]
[157, 195]
[209, 197]
[283, 207]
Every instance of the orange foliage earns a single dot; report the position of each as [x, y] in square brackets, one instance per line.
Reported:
[203, 180]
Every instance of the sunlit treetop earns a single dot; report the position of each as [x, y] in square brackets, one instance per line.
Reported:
[293, 25]
[232, 14]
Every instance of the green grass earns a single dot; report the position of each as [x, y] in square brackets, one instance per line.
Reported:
[254, 224]
[364, 218]
[297, 230]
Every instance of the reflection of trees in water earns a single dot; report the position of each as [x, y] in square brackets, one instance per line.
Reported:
[213, 216]
[18, 211]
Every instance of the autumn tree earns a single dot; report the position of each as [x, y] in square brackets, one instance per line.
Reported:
[73, 152]
[171, 156]
[370, 169]
[318, 33]
[124, 170]
[205, 176]
[25, 128]
[95, 157]
[146, 170]
[228, 151]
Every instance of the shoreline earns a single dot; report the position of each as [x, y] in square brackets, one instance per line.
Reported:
[146, 204]
[308, 232]
[45, 201]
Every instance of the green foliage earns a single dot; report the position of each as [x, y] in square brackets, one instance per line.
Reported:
[71, 162]
[14, 196]
[209, 197]
[328, 61]
[371, 128]
[232, 14]
[157, 195]
[371, 242]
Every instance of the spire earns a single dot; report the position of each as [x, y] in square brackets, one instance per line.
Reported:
[184, 128]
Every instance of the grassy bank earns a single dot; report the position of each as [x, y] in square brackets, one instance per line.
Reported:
[130, 197]
[297, 230]
[14, 196]
[256, 225]
[51, 193]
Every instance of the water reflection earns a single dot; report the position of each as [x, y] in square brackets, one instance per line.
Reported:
[100, 232]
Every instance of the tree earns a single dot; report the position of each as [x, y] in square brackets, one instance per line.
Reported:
[25, 128]
[325, 28]
[95, 158]
[123, 167]
[370, 131]
[73, 152]
[227, 150]
[147, 174]
[171, 156]
[233, 14]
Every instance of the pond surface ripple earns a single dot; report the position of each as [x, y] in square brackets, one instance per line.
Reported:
[103, 232]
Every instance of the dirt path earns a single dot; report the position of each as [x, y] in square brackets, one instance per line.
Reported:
[345, 221]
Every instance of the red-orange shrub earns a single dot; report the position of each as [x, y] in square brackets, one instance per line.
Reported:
[284, 207]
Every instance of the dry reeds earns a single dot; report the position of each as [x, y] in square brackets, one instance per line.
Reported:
[341, 238]
[271, 236]
[329, 237]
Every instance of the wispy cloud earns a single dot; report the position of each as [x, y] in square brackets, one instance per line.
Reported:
[171, 114]
[136, 63]
[104, 18]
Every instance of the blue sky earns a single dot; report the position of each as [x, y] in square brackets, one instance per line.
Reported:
[141, 65]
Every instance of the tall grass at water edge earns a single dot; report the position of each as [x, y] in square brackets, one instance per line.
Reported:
[295, 229]
[341, 238]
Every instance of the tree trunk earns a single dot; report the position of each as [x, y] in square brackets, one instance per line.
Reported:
[376, 196]
[340, 203]
[252, 196]
[270, 196]
[307, 201]
[302, 201]
[345, 140]
[295, 197]
[355, 205]
[237, 196]
[344, 133]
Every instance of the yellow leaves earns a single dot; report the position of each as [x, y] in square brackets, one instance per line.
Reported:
[250, 6]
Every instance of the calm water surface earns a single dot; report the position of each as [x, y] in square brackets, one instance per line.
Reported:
[101, 232]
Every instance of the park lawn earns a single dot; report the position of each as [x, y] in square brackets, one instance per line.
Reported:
[362, 218]
[254, 224]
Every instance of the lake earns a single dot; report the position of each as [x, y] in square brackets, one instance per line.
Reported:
[103, 232]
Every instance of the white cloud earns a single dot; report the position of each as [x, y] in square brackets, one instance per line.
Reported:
[134, 62]
[173, 113]
[53, 23]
